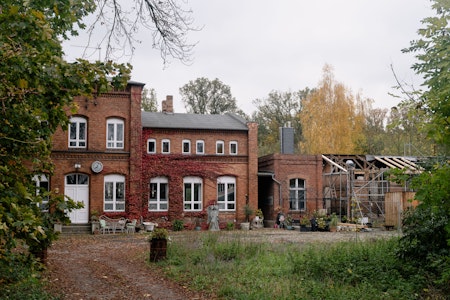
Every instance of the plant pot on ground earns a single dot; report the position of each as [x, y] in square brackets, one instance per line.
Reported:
[158, 244]
[333, 222]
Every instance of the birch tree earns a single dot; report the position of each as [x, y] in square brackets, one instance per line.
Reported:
[332, 118]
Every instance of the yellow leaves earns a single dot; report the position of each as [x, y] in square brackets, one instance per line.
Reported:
[22, 83]
[38, 14]
[330, 119]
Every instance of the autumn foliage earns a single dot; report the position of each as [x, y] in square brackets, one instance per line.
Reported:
[332, 118]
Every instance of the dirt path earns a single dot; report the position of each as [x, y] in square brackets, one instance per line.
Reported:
[108, 267]
[115, 267]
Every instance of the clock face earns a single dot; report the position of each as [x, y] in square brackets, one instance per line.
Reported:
[97, 166]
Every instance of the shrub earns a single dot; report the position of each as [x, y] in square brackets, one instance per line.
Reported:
[178, 225]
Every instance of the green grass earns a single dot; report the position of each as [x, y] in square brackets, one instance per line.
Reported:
[236, 269]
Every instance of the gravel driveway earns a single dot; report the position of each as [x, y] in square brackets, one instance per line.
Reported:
[115, 267]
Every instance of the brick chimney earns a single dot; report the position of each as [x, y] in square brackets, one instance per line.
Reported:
[167, 105]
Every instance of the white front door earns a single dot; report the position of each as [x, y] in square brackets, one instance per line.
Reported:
[77, 188]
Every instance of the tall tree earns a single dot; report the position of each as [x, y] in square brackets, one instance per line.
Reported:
[277, 110]
[375, 131]
[426, 239]
[204, 96]
[432, 53]
[405, 131]
[332, 118]
[149, 101]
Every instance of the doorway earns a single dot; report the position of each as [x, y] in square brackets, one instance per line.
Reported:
[76, 187]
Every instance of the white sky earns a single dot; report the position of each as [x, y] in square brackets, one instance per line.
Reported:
[256, 46]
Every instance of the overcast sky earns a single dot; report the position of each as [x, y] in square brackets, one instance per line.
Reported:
[256, 46]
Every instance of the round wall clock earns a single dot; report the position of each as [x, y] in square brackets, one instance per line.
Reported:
[97, 166]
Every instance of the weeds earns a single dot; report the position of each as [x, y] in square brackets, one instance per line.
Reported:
[233, 268]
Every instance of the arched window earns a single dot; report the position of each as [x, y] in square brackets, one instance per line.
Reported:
[159, 194]
[297, 194]
[192, 196]
[42, 186]
[114, 196]
[77, 132]
[226, 193]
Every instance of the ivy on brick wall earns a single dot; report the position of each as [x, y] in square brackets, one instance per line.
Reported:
[175, 168]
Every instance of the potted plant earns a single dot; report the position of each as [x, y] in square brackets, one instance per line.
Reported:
[248, 211]
[259, 214]
[158, 244]
[95, 224]
[289, 222]
[333, 222]
[305, 224]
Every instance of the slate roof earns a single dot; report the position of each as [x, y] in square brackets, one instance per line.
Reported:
[227, 121]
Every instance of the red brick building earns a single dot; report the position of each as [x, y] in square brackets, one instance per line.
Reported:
[120, 161]
[97, 159]
[290, 182]
[190, 160]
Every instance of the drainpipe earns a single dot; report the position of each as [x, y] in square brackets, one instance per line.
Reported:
[280, 199]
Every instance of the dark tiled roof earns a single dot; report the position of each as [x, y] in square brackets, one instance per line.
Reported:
[193, 121]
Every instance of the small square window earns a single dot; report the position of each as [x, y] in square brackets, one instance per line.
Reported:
[151, 146]
[219, 147]
[200, 147]
[233, 148]
[165, 146]
[186, 146]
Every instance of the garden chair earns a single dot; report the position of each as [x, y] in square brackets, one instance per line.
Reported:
[104, 227]
[131, 227]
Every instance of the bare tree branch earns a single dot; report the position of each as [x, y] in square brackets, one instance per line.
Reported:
[168, 22]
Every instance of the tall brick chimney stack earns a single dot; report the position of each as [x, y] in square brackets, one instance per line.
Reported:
[167, 105]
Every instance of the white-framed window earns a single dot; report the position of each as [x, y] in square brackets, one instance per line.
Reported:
[165, 146]
[200, 147]
[233, 148]
[114, 195]
[115, 133]
[42, 186]
[192, 193]
[186, 146]
[220, 147]
[297, 194]
[226, 193]
[151, 146]
[77, 132]
[159, 194]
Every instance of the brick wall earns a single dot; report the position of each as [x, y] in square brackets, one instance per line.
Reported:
[208, 166]
[124, 105]
[286, 167]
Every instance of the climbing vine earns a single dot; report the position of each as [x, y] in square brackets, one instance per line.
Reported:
[175, 167]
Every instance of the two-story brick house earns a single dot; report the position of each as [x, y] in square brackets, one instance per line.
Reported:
[120, 161]
[97, 160]
[190, 160]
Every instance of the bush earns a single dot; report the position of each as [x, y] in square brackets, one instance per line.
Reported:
[178, 225]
